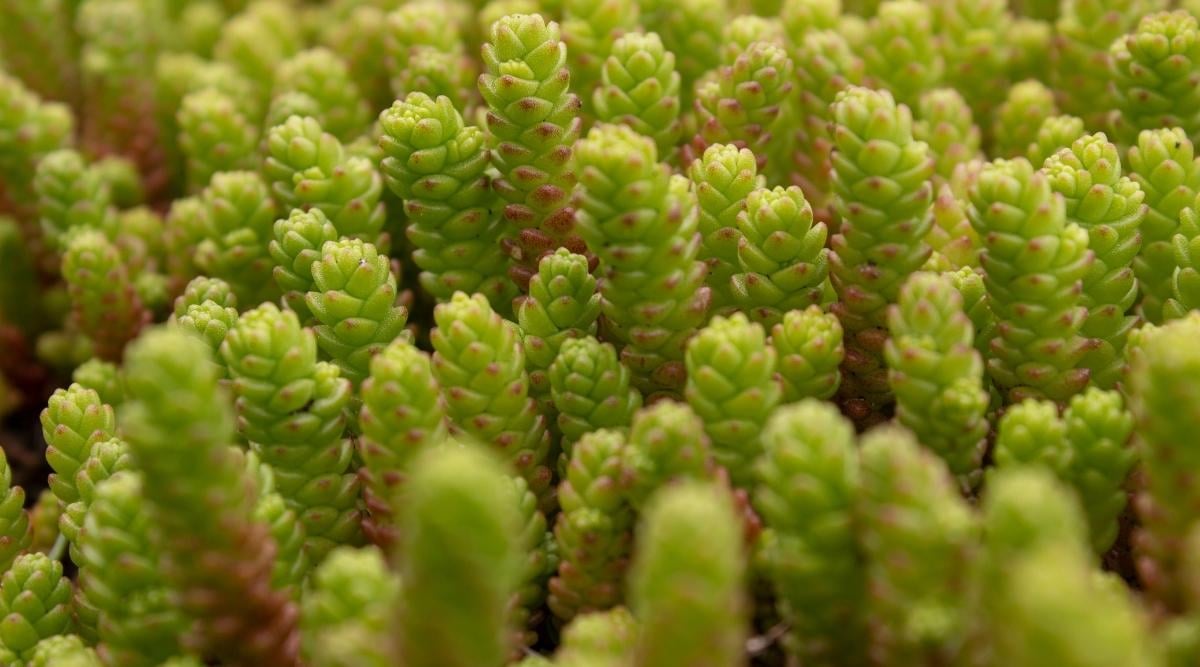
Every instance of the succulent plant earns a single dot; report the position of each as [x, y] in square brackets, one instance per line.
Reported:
[652, 299]
[119, 42]
[639, 87]
[481, 368]
[138, 620]
[782, 260]
[808, 481]
[323, 77]
[882, 194]
[350, 608]
[723, 177]
[291, 409]
[944, 121]
[215, 555]
[664, 573]
[1157, 386]
[438, 165]
[936, 373]
[1082, 56]
[214, 136]
[825, 65]
[1110, 208]
[900, 52]
[1164, 165]
[732, 387]
[748, 103]
[1036, 342]
[532, 122]
[353, 299]
[599, 333]
[307, 167]
[35, 603]
[594, 532]
[1055, 133]
[1153, 70]
[562, 305]
[1018, 120]
[915, 604]
[463, 590]
[402, 415]
[591, 390]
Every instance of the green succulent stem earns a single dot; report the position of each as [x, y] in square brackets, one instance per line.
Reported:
[234, 231]
[749, 104]
[640, 87]
[1034, 261]
[810, 350]
[1019, 119]
[1163, 163]
[324, 78]
[257, 41]
[681, 622]
[291, 408]
[425, 51]
[214, 136]
[104, 303]
[643, 223]
[936, 373]
[1153, 71]
[70, 194]
[591, 390]
[782, 259]
[563, 304]
[1159, 385]
[36, 47]
[106, 458]
[354, 301]
[1109, 207]
[74, 420]
[594, 532]
[1185, 295]
[16, 528]
[308, 167]
[945, 122]
[139, 623]
[1054, 134]
[461, 567]
[1082, 58]
[723, 177]
[882, 193]
[589, 30]
[533, 120]
[297, 243]
[35, 603]
[480, 366]
[667, 444]
[916, 603]
[64, 650]
[201, 496]
[901, 53]
[119, 43]
[402, 415]
[1099, 428]
[438, 165]
[350, 608]
[732, 387]
[29, 129]
[808, 484]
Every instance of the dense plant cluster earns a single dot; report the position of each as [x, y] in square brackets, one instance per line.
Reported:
[599, 333]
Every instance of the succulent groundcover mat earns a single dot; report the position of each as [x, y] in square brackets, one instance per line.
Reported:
[599, 333]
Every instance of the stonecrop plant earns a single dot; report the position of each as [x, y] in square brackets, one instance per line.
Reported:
[599, 333]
